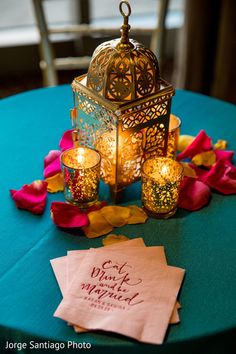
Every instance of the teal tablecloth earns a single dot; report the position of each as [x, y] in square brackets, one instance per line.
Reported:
[202, 242]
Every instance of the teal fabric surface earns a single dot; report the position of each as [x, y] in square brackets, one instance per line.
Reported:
[202, 242]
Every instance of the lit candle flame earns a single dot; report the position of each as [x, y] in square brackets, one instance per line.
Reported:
[80, 156]
[164, 170]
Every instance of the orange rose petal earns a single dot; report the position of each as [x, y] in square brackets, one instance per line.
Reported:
[55, 183]
[116, 215]
[77, 329]
[221, 144]
[184, 141]
[98, 225]
[113, 238]
[80, 329]
[206, 158]
[97, 206]
[138, 215]
[188, 171]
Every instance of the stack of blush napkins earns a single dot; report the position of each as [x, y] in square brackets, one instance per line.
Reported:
[126, 288]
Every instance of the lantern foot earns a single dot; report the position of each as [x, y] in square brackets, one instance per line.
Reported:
[116, 195]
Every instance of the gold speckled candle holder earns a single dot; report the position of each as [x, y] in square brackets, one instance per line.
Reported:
[81, 172]
[173, 136]
[161, 178]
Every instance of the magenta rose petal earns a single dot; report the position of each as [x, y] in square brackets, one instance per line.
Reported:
[52, 165]
[222, 177]
[201, 143]
[51, 156]
[53, 169]
[66, 141]
[224, 155]
[201, 173]
[68, 216]
[194, 194]
[31, 197]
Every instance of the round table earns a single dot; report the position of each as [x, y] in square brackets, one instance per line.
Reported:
[202, 242]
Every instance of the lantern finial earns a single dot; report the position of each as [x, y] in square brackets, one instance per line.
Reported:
[125, 28]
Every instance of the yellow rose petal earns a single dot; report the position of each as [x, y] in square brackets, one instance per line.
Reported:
[184, 141]
[116, 215]
[98, 225]
[112, 238]
[221, 144]
[37, 184]
[138, 215]
[79, 329]
[188, 171]
[207, 158]
[55, 183]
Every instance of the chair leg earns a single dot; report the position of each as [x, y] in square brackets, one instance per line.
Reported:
[46, 51]
[158, 37]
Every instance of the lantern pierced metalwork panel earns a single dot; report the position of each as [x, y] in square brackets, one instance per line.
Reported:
[122, 108]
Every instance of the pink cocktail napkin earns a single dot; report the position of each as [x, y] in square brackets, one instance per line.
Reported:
[128, 290]
[59, 264]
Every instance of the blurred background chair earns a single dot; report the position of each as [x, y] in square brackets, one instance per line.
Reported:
[50, 64]
[193, 40]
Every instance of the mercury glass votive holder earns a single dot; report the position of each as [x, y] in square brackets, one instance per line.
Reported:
[81, 173]
[173, 136]
[161, 178]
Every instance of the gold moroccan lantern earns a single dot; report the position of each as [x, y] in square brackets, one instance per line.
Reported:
[122, 107]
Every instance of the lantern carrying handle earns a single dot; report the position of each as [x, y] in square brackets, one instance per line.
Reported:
[126, 16]
[124, 42]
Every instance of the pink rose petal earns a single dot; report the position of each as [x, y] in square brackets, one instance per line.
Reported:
[31, 197]
[52, 164]
[200, 172]
[222, 177]
[51, 156]
[67, 215]
[224, 155]
[194, 194]
[66, 141]
[201, 143]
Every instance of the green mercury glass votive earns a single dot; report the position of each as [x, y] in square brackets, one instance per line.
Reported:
[161, 178]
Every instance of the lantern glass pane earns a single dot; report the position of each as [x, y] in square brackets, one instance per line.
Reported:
[97, 129]
[124, 134]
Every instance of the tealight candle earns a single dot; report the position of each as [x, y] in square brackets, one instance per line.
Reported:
[81, 172]
[161, 178]
[173, 136]
[120, 165]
